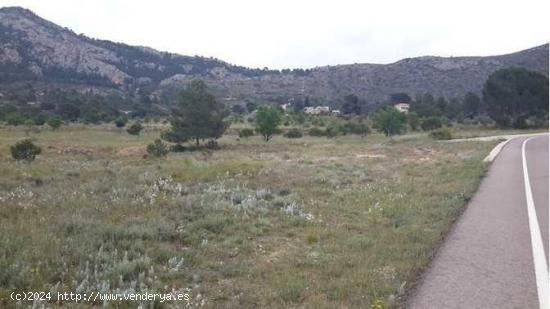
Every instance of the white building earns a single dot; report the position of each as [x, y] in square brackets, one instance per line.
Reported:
[317, 110]
[402, 107]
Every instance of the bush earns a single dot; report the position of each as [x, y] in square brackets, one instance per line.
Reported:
[485, 121]
[25, 150]
[442, 134]
[316, 132]
[246, 132]
[135, 129]
[431, 123]
[157, 149]
[293, 133]
[55, 122]
[120, 122]
[14, 119]
[354, 128]
[413, 120]
[332, 131]
[178, 148]
[39, 119]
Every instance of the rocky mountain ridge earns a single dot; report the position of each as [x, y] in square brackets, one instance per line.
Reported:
[36, 51]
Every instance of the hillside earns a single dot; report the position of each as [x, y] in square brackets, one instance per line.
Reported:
[36, 51]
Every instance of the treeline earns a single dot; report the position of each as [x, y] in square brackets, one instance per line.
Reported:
[511, 97]
[455, 109]
[29, 105]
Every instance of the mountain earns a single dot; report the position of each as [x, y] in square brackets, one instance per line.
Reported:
[40, 53]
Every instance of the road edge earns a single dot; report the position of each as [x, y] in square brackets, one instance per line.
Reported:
[498, 148]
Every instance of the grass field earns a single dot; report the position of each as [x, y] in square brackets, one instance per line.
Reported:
[347, 222]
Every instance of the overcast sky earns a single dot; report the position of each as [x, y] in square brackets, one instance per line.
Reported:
[302, 33]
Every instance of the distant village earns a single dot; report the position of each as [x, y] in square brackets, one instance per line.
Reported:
[326, 110]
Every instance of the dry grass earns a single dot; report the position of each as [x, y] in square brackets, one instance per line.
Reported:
[310, 222]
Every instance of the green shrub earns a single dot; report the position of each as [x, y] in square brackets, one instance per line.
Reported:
[39, 119]
[14, 119]
[293, 133]
[431, 123]
[120, 122]
[246, 132]
[484, 120]
[135, 129]
[25, 150]
[442, 134]
[157, 149]
[333, 131]
[354, 128]
[55, 122]
[316, 132]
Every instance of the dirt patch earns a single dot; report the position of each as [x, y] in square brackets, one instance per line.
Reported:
[369, 155]
[131, 151]
[71, 150]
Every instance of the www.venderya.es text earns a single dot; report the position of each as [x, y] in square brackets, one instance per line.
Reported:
[99, 297]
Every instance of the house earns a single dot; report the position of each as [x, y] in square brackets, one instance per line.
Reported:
[402, 107]
[335, 112]
[317, 110]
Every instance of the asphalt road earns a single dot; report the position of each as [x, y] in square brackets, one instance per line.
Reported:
[489, 259]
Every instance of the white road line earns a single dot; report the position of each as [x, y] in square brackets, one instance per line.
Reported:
[539, 256]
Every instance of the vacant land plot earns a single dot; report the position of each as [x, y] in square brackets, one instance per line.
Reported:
[310, 222]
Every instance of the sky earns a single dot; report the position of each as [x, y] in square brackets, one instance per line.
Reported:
[302, 33]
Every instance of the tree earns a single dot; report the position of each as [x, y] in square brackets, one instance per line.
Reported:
[413, 120]
[268, 119]
[298, 105]
[198, 115]
[351, 105]
[55, 122]
[238, 109]
[15, 119]
[512, 95]
[399, 97]
[424, 105]
[120, 122]
[431, 123]
[471, 104]
[390, 121]
[251, 106]
[135, 129]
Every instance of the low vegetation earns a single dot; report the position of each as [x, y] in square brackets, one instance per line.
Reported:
[25, 150]
[157, 149]
[294, 133]
[135, 128]
[442, 134]
[246, 132]
[315, 222]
